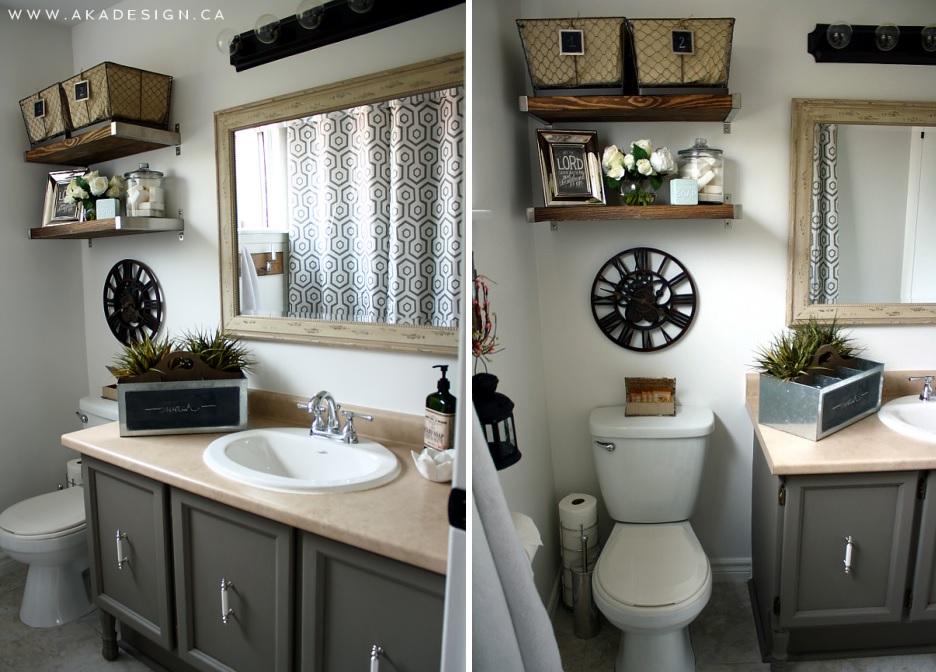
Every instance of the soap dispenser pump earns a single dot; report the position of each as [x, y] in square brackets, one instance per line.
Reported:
[440, 415]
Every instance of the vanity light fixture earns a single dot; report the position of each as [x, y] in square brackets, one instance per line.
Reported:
[318, 23]
[840, 42]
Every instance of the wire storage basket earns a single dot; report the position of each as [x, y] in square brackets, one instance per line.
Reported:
[683, 53]
[579, 549]
[45, 114]
[117, 92]
[573, 54]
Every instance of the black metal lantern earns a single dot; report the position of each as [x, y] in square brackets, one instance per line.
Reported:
[495, 412]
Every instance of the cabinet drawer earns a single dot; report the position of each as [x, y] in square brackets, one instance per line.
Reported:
[228, 558]
[864, 520]
[352, 600]
[129, 578]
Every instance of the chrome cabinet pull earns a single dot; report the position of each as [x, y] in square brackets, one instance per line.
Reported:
[607, 445]
[375, 654]
[849, 545]
[225, 609]
[122, 558]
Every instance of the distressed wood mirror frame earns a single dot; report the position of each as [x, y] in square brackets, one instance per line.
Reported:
[440, 73]
[807, 113]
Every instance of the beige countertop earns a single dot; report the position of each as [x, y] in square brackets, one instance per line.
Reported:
[865, 446]
[406, 519]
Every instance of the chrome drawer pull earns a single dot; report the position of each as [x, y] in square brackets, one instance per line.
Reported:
[849, 544]
[225, 609]
[122, 558]
[375, 654]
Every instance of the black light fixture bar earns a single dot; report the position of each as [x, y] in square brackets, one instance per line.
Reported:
[863, 49]
[340, 23]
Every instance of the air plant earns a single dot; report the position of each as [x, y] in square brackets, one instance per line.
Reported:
[138, 357]
[791, 354]
[218, 350]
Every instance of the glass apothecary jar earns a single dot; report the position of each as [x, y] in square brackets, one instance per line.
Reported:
[705, 165]
[145, 193]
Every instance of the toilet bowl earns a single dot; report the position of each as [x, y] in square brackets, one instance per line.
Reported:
[653, 577]
[47, 532]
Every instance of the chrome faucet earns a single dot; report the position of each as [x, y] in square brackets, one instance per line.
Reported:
[325, 422]
[927, 392]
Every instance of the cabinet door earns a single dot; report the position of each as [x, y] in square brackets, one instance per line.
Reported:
[846, 544]
[129, 548]
[923, 606]
[353, 600]
[233, 574]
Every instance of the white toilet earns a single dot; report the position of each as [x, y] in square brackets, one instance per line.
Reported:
[47, 532]
[652, 577]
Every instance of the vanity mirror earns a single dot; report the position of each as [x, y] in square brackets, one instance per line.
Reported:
[863, 223]
[341, 211]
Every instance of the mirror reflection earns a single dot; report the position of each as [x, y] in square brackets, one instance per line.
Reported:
[341, 211]
[863, 227]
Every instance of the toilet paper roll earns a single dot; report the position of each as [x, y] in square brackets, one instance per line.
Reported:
[73, 473]
[577, 510]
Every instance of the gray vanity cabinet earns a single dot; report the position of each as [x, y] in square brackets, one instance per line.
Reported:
[923, 602]
[233, 587]
[353, 600]
[129, 550]
[846, 547]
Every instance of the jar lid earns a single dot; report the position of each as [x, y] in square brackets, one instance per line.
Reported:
[143, 172]
[700, 148]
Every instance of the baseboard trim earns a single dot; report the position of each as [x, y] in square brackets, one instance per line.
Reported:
[730, 570]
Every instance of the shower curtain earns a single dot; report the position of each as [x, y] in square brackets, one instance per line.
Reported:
[824, 229]
[376, 207]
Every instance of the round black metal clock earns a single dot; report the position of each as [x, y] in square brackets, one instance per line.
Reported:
[132, 302]
[643, 299]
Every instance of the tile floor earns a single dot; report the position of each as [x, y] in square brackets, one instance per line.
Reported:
[724, 640]
[73, 647]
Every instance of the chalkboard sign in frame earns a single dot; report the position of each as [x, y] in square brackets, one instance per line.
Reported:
[571, 167]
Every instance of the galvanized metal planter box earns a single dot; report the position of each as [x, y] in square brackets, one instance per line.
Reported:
[195, 400]
[820, 404]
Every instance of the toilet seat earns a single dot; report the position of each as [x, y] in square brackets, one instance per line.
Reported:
[655, 566]
[54, 514]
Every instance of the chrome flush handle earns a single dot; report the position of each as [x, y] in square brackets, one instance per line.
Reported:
[607, 445]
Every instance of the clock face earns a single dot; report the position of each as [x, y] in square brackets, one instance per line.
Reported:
[643, 299]
[132, 303]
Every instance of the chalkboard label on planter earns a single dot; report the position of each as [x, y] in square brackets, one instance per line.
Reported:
[187, 407]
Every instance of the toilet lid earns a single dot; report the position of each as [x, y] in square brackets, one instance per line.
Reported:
[52, 512]
[652, 565]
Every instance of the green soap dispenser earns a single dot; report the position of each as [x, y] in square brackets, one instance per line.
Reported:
[440, 415]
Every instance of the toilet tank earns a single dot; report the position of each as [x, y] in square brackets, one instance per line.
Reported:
[650, 467]
[94, 411]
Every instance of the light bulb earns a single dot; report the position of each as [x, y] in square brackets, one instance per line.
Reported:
[928, 38]
[309, 13]
[361, 6]
[267, 28]
[839, 34]
[886, 36]
[227, 41]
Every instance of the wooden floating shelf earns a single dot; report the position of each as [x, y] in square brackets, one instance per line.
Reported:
[104, 228]
[583, 213]
[116, 140]
[673, 107]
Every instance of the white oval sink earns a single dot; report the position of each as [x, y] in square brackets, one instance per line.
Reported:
[288, 459]
[911, 417]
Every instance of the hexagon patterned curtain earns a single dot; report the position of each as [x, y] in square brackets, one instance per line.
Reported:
[824, 228]
[376, 211]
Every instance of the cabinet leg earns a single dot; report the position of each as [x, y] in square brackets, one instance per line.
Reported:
[778, 656]
[108, 636]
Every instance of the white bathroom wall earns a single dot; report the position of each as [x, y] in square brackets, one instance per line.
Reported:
[204, 82]
[42, 339]
[740, 269]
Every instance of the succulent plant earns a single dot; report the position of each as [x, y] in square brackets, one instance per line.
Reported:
[138, 357]
[218, 350]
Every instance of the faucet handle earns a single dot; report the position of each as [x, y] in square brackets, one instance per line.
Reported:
[927, 390]
[348, 432]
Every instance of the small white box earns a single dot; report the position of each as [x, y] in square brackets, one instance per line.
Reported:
[107, 208]
[684, 191]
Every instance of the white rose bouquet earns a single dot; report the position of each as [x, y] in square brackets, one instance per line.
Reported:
[642, 164]
[92, 186]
